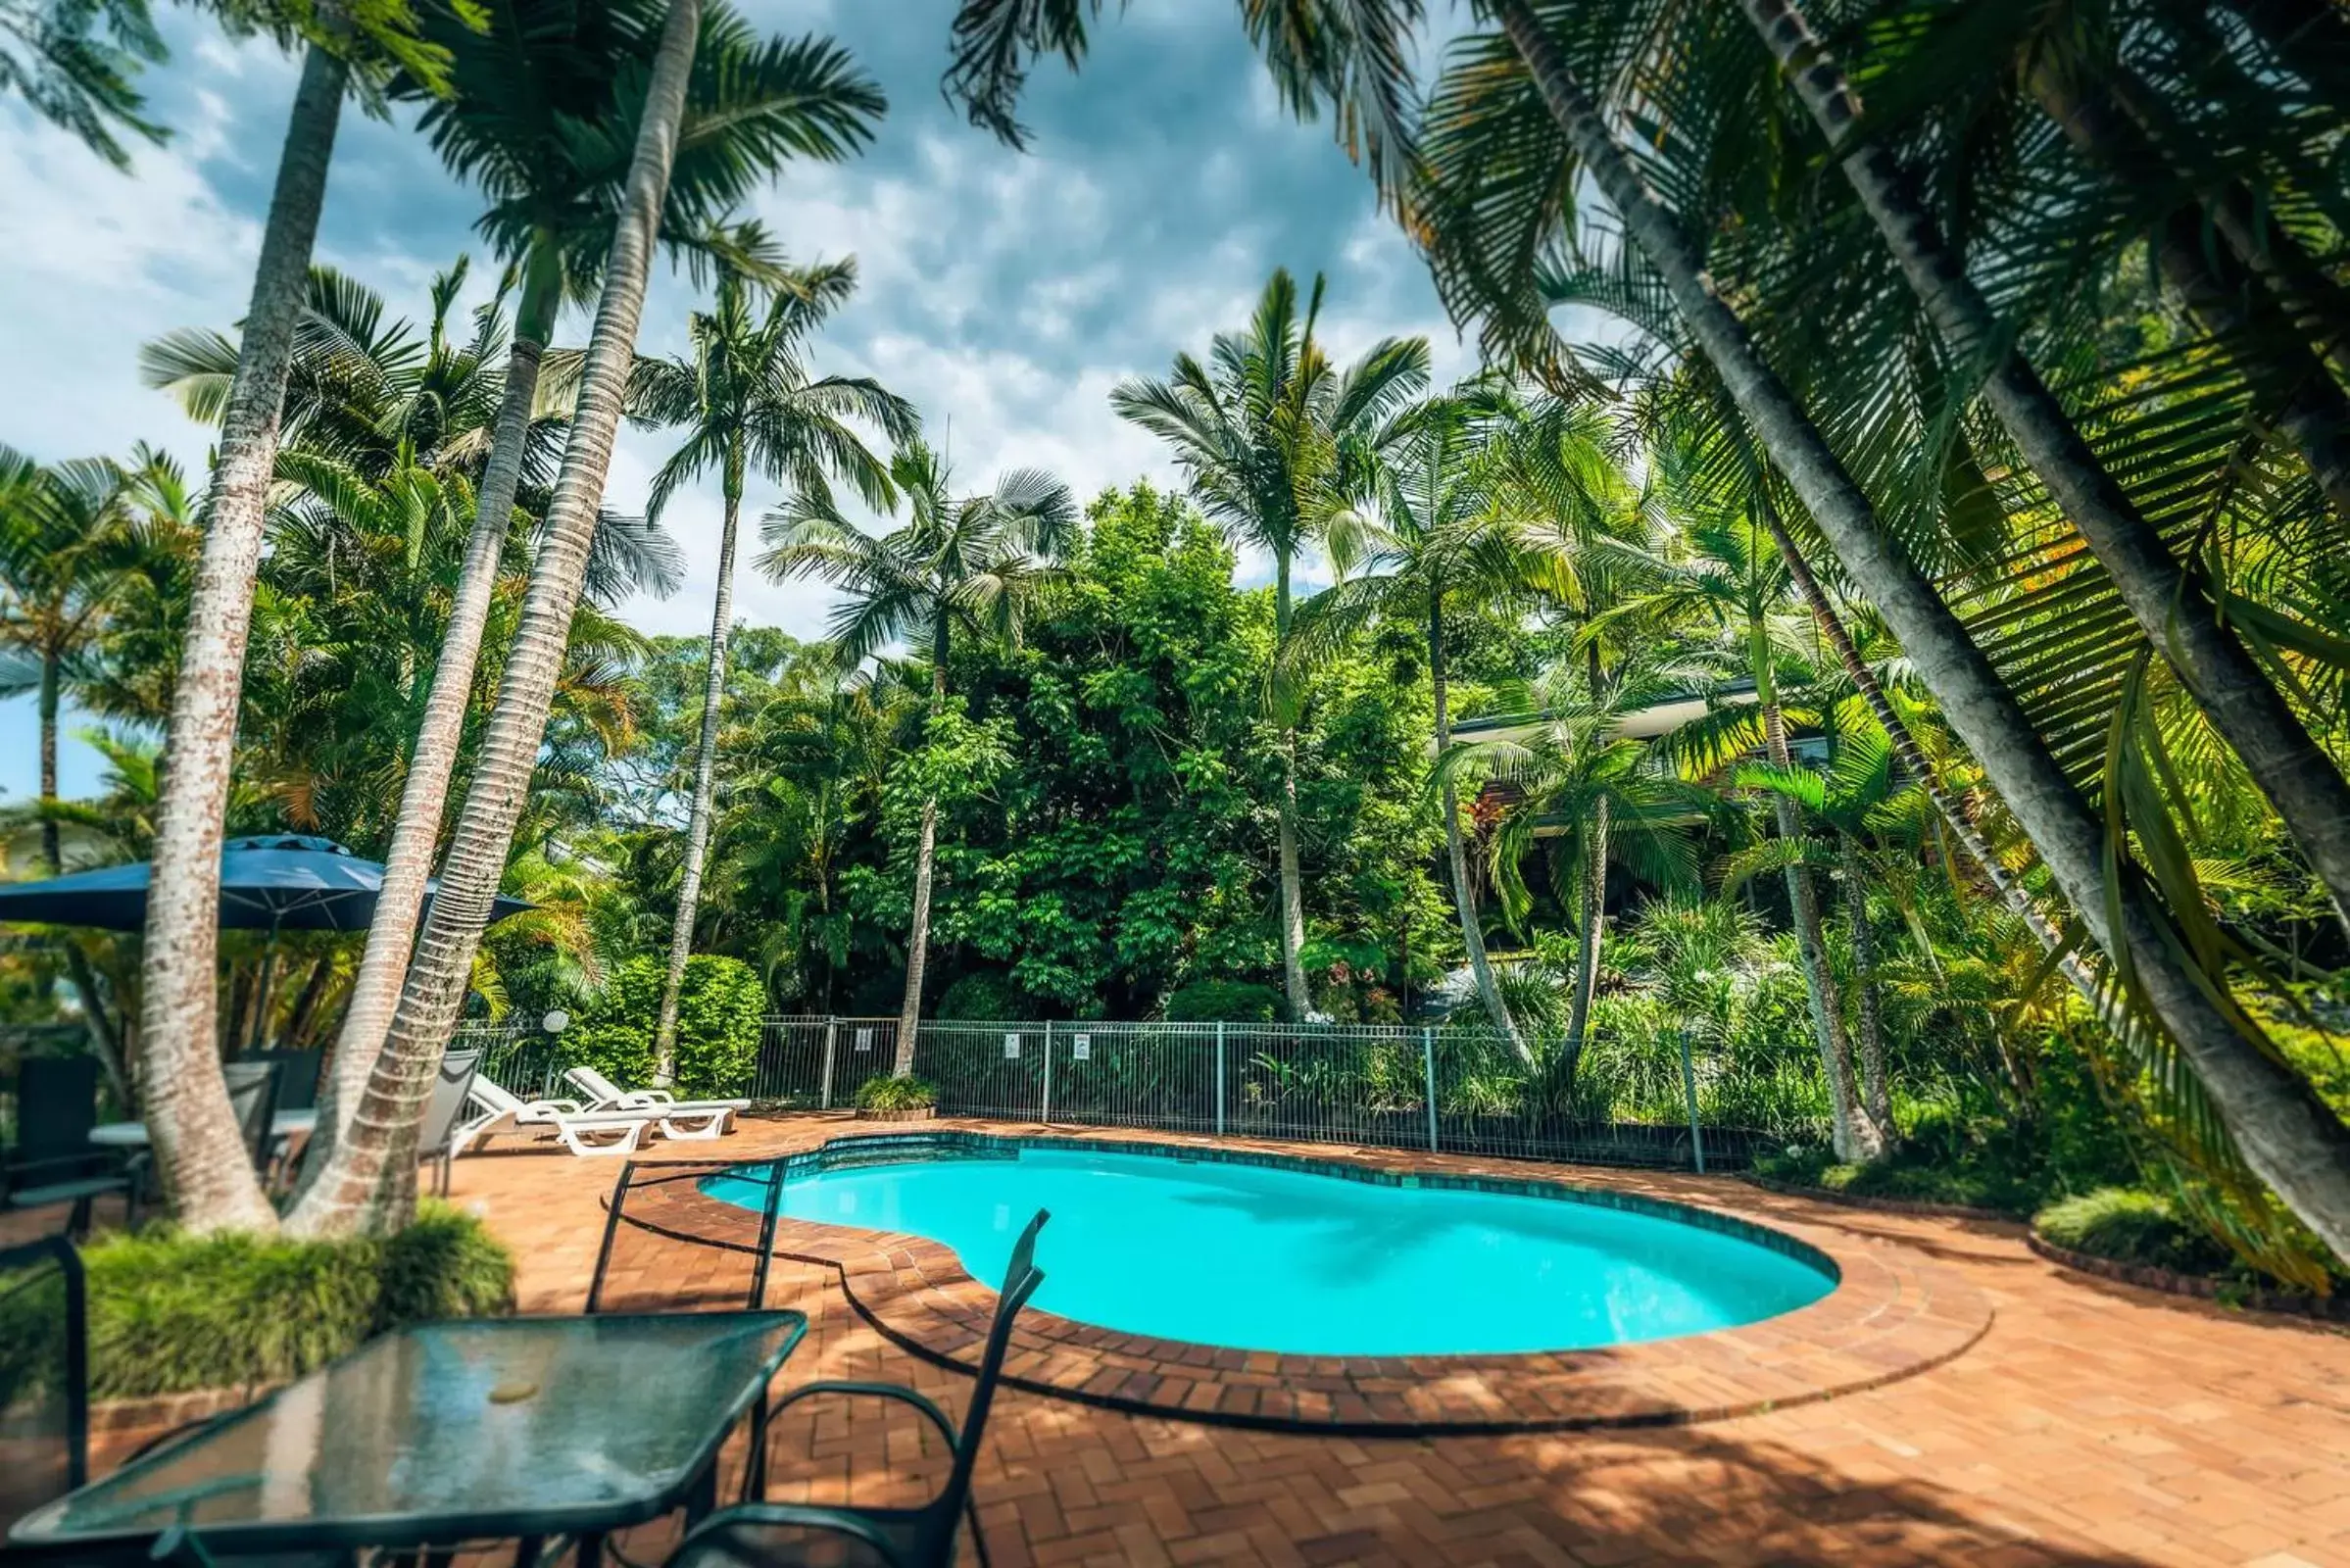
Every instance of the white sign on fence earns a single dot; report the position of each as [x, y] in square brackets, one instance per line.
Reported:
[1081, 1049]
[1011, 1047]
[865, 1040]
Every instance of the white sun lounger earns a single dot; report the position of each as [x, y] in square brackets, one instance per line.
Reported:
[498, 1110]
[709, 1118]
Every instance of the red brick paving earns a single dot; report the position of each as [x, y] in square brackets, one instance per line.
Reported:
[2093, 1424]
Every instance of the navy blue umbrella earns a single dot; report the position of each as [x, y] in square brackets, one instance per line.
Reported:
[281, 882]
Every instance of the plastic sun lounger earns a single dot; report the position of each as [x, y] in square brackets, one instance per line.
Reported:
[709, 1118]
[583, 1132]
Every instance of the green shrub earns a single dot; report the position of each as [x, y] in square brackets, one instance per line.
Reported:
[886, 1092]
[169, 1312]
[984, 997]
[1224, 1002]
[2131, 1227]
[719, 1008]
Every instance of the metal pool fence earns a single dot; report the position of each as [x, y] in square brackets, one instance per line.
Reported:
[1451, 1088]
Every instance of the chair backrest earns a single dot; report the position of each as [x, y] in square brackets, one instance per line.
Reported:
[588, 1081]
[44, 1376]
[649, 1268]
[1021, 1277]
[491, 1095]
[297, 1078]
[57, 1106]
[253, 1095]
[447, 1107]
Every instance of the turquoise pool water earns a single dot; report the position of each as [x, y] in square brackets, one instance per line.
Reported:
[1267, 1259]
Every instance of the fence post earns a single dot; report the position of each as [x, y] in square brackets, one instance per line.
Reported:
[1428, 1064]
[1688, 1088]
[832, 1034]
[1047, 1115]
[1219, 1077]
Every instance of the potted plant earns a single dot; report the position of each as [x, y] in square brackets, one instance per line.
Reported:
[884, 1097]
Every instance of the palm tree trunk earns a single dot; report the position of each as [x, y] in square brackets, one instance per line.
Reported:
[1856, 1137]
[705, 759]
[2227, 300]
[2300, 780]
[94, 1022]
[1464, 892]
[424, 793]
[199, 1151]
[1876, 1093]
[378, 1153]
[2288, 1136]
[1293, 893]
[1590, 938]
[918, 941]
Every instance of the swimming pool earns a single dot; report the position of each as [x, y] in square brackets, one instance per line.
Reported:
[1281, 1256]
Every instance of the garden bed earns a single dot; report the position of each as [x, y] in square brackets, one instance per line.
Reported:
[1925, 1207]
[2200, 1287]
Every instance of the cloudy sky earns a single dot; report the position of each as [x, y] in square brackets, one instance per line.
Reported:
[1005, 293]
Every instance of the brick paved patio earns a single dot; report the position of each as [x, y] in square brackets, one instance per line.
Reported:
[2092, 1424]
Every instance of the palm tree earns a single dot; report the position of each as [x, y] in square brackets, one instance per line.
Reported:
[1440, 523]
[535, 119]
[975, 562]
[1729, 574]
[370, 1176]
[2303, 783]
[52, 53]
[69, 540]
[198, 1150]
[1260, 435]
[749, 404]
[1581, 782]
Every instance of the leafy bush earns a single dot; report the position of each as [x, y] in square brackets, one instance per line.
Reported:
[2130, 1226]
[886, 1092]
[718, 1011]
[984, 997]
[169, 1312]
[1224, 1002]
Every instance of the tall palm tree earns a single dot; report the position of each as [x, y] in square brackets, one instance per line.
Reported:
[1488, 210]
[2303, 783]
[750, 405]
[540, 117]
[370, 1176]
[1259, 431]
[198, 1151]
[975, 562]
[1435, 525]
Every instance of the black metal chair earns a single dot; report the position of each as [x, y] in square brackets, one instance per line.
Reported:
[636, 1264]
[436, 1144]
[44, 1376]
[769, 1535]
[53, 1162]
[297, 1076]
[253, 1097]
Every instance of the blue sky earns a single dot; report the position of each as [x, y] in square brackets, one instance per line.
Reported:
[1005, 293]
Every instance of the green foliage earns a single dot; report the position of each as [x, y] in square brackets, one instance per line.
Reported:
[170, 1312]
[984, 997]
[719, 1008]
[1224, 1002]
[883, 1091]
[2131, 1227]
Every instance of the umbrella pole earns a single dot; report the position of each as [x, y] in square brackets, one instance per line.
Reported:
[260, 1002]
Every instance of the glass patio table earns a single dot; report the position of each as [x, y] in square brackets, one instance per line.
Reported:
[440, 1432]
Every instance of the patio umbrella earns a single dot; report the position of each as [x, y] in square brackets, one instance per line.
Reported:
[278, 882]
